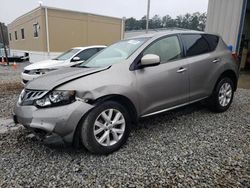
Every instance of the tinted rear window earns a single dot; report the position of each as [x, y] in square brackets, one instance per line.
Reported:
[213, 41]
[195, 44]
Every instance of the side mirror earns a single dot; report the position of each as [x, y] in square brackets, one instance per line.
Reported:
[75, 59]
[150, 60]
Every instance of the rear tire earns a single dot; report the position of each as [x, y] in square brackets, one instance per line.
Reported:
[222, 95]
[106, 128]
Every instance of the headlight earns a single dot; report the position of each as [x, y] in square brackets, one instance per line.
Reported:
[40, 71]
[56, 97]
[21, 96]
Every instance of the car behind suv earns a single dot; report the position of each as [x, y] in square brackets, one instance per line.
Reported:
[97, 103]
[69, 58]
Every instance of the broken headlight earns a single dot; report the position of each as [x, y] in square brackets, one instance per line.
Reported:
[56, 98]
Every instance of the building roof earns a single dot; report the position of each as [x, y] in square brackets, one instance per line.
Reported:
[60, 9]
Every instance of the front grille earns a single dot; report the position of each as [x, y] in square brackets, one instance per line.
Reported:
[26, 71]
[28, 97]
[32, 95]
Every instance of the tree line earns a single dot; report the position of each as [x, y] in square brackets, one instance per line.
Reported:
[195, 21]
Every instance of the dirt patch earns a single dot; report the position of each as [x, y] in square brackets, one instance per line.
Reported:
[7, 87]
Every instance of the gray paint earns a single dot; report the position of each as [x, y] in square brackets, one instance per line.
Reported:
[151, 90]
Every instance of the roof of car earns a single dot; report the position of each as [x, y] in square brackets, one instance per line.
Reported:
[163, 33]
[88, 47]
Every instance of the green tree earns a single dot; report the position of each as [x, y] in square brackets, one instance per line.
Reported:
[142, 22]
[202, 21]
[156, 22]
[131, 24]
[195, 21]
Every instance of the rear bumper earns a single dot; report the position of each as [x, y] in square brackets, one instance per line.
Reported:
[52, 125]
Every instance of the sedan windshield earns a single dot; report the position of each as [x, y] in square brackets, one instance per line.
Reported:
[115, 53]
[68, 54]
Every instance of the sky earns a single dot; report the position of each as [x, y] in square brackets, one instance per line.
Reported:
[11, 9]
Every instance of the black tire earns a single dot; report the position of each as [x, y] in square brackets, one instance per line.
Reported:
[87, 128]
[214, 102]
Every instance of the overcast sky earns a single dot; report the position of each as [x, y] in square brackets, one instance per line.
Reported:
[11, 9]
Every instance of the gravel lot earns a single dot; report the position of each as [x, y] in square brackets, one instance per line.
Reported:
[185, 148]
[9, 74]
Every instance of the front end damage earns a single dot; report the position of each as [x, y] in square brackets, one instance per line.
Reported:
[53, 125]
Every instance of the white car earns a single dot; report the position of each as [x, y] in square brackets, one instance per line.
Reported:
[69, 58]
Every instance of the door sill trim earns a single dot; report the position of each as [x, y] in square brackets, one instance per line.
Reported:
[171, 108]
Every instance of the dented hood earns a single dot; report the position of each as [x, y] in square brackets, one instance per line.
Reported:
[61, 76]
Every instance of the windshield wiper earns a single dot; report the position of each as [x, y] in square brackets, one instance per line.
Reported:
[81, 66]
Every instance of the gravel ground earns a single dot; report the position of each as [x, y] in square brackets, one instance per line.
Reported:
[187, 147]
[9, 74]
[7, 101]
[10, 80]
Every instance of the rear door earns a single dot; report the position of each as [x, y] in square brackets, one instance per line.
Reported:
[203, 61]
[166, 85]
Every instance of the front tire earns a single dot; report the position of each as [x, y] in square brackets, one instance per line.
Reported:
[106, 128]
[222, 96]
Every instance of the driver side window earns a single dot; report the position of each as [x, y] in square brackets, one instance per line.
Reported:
[168, 49]
[86, 54]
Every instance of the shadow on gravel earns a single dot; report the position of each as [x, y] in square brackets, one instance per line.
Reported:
[171, 115]
[152, 122]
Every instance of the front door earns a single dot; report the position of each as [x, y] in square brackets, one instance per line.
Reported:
[166, 85]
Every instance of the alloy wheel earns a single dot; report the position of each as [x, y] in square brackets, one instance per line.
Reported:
[109, 127]
[225, 94]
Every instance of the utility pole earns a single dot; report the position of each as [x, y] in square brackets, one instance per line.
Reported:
[4, 44]
[148, 10]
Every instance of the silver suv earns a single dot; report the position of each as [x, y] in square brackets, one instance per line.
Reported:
[97, 103]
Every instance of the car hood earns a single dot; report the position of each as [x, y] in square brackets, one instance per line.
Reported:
[61, 76]
[47, 64]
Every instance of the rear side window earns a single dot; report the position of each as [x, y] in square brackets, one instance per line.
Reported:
[212, 40]
[86, 54]
[195, 44]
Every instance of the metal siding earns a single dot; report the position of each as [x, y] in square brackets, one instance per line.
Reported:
[242, 23]
[223, 18]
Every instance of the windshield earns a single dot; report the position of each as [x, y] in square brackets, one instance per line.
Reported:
[68, 54]
[115, 53]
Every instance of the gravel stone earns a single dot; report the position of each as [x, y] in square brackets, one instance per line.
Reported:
[187, 147]
[7, 102]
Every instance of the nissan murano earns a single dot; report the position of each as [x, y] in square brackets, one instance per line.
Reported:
[98, 102]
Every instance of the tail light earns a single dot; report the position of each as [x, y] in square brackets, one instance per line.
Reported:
[235, 56]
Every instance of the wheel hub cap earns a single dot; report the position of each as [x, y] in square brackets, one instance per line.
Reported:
[225, 94]
[109, 127]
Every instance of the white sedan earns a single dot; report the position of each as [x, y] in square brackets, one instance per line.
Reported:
[69, 58]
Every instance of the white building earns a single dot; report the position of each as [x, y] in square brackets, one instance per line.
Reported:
[231, 20]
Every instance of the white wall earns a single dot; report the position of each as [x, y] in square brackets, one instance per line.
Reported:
[223, 18]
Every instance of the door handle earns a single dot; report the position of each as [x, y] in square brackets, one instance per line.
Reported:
[216, 60]
[181, 70]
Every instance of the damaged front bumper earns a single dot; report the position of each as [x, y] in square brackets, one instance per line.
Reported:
[52, 125]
